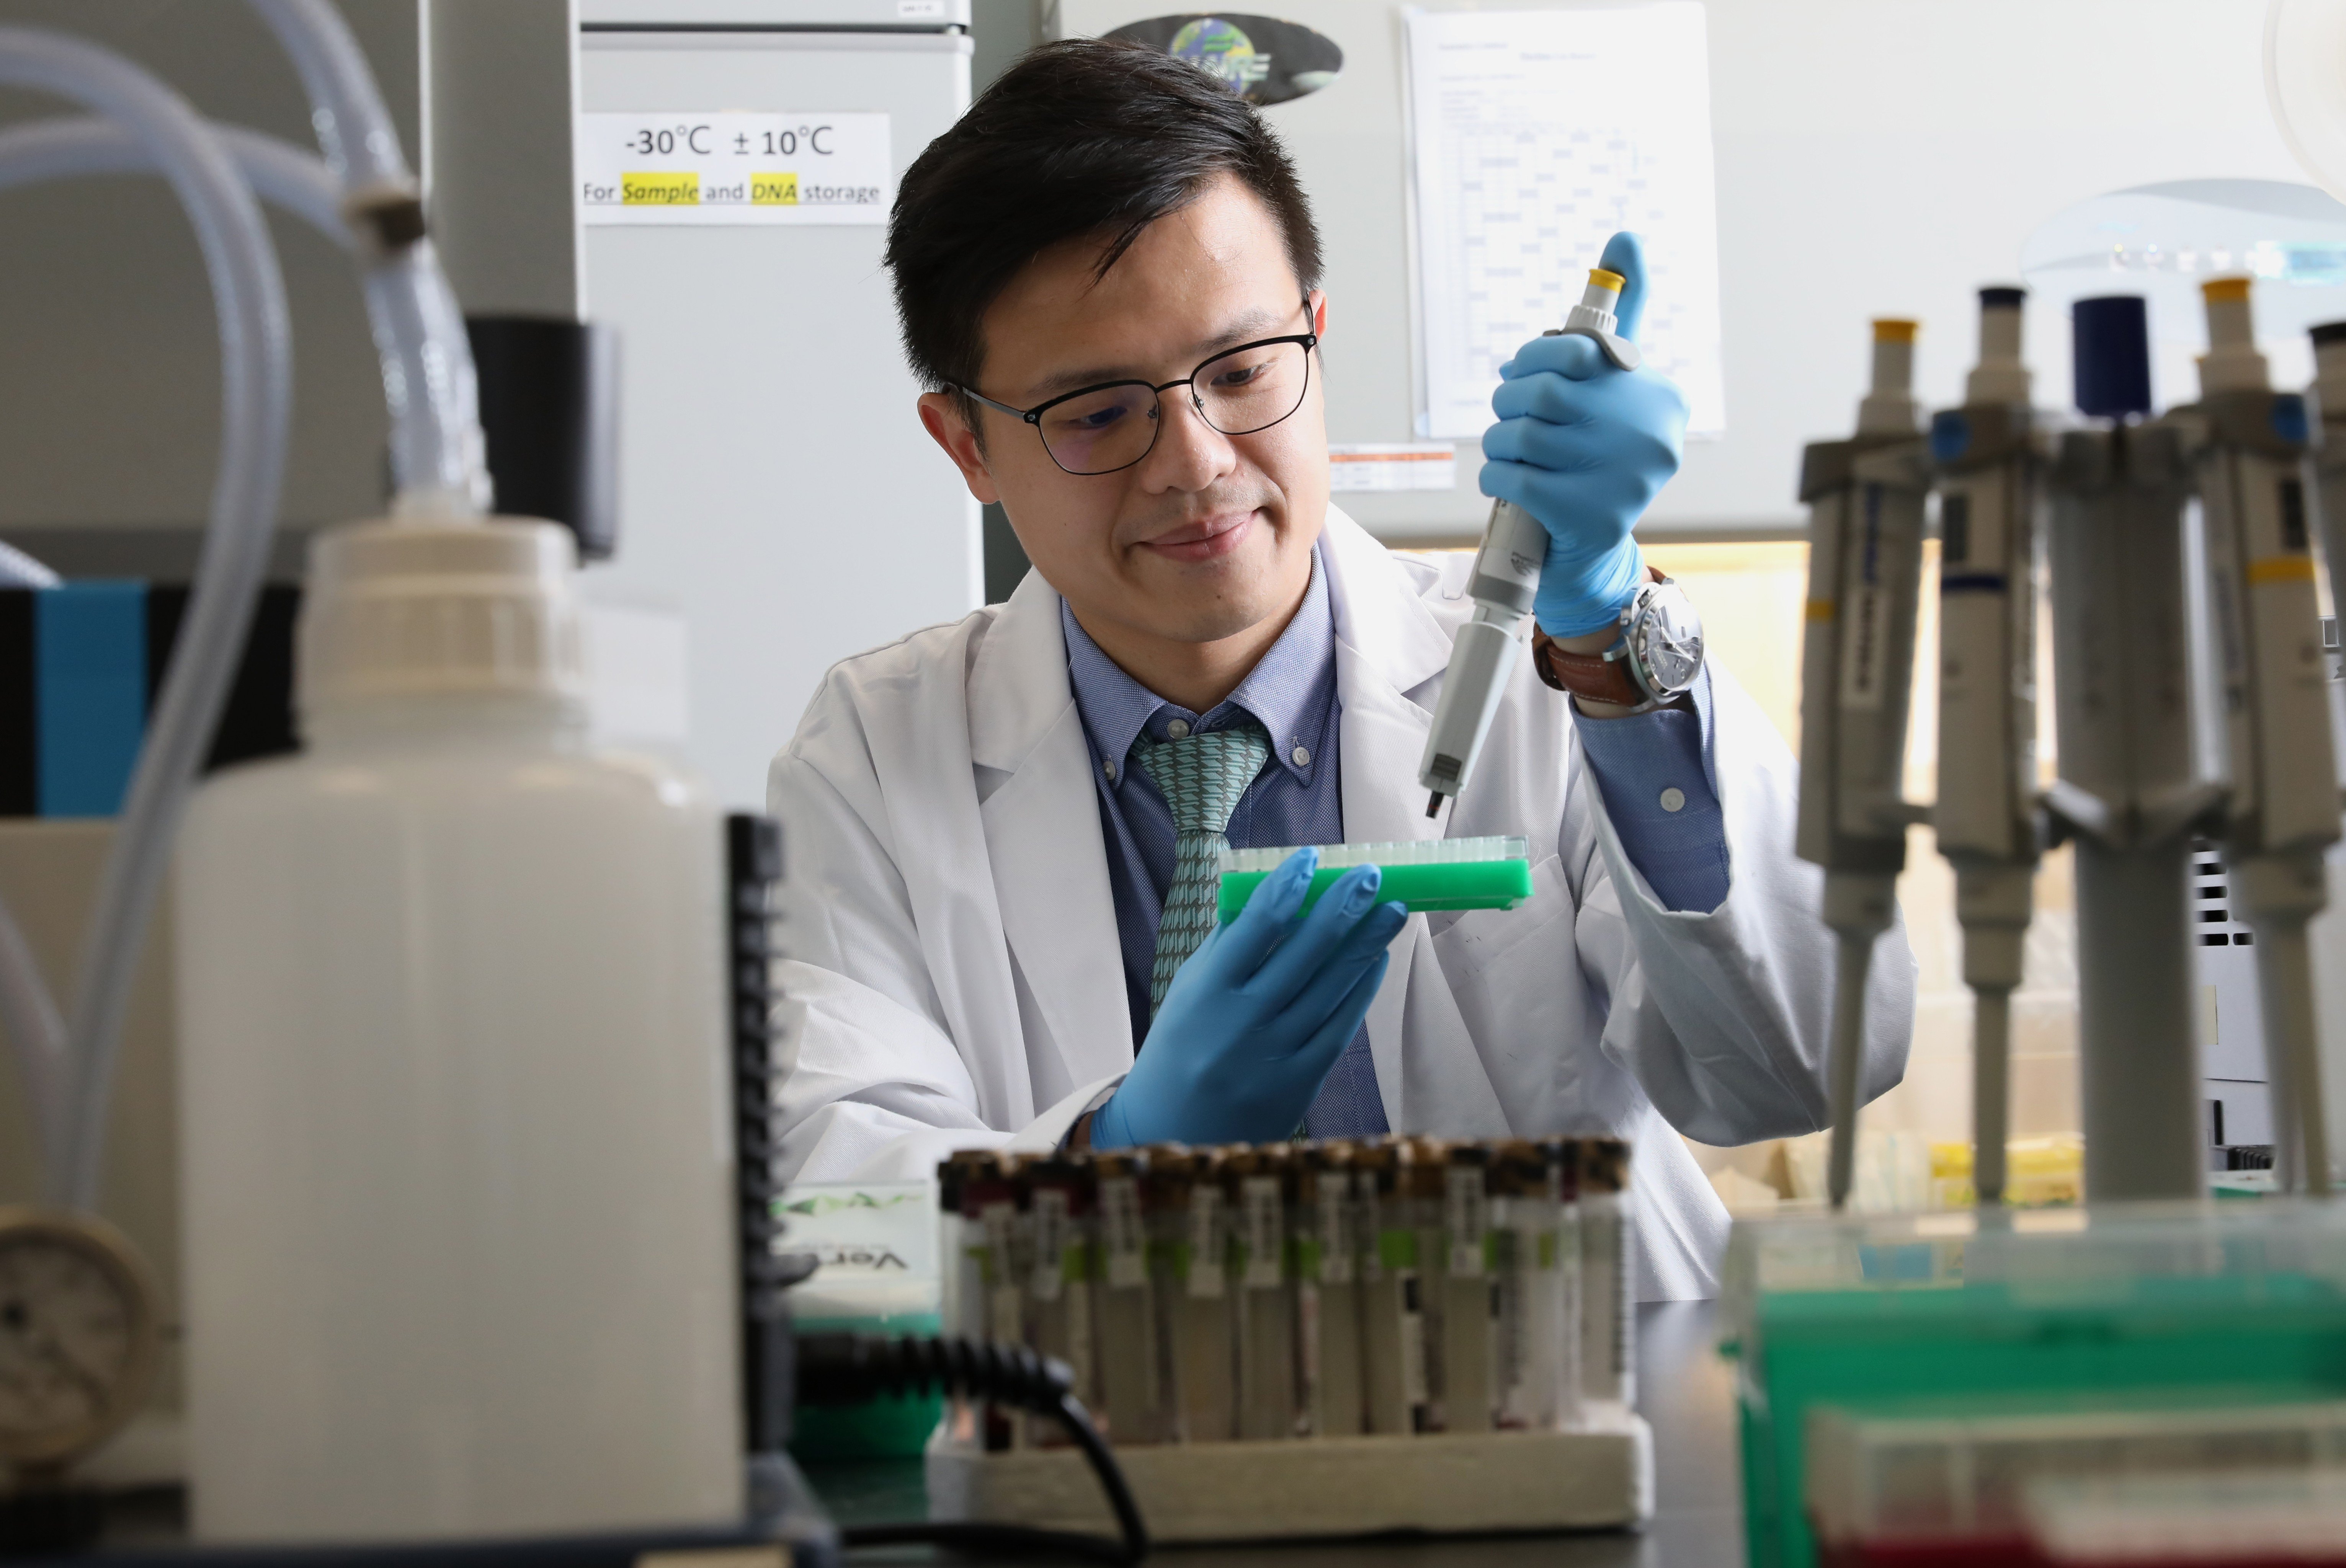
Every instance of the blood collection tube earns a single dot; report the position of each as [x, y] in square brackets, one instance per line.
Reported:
[1428, 1171]
[1189, 1227]
[1393, 1322]
[961, 1252]
[1258, 1187]
[994, 1195]
[1562, 1158]
[1467, 1292]
[1124, 1309]
[1607, 1276]
[1059, 1307]
[1328, 1290]
[1527, 1335]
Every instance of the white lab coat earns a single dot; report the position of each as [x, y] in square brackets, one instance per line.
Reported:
[953, 977]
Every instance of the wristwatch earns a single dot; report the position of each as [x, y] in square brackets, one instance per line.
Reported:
[1652, 663]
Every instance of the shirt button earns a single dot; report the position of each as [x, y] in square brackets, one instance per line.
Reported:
[1673, 799]
[1303, 756]
[1179, 729]
[1110, 766]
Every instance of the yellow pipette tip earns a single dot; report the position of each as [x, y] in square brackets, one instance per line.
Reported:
[1604, 279]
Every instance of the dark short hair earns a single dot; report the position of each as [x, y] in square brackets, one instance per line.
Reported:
[1084, 136]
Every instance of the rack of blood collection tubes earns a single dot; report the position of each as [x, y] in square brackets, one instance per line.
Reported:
[1305, 1339]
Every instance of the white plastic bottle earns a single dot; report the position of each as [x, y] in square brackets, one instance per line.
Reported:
[454, 1096]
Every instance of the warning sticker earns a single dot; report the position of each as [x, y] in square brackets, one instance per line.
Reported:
[719, 169]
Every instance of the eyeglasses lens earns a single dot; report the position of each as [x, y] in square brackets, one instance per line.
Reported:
[1254, 387]
[1101, 430]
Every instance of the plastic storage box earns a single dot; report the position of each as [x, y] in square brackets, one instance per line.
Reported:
[2083, 1306]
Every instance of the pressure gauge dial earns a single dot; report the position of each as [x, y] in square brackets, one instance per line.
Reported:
[79, 1331]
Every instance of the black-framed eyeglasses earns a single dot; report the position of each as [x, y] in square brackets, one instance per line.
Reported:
[1111, 426]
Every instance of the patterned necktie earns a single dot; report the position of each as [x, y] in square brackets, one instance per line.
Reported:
[1202, 776]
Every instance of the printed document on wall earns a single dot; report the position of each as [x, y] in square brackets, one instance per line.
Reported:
[1536, 135]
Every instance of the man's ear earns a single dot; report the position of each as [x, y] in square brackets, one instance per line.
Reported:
[941, 416]
[1319, 303]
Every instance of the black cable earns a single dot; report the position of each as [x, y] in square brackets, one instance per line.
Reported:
[848, 1368]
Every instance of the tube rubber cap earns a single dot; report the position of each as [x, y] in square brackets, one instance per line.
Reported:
[2111, 353]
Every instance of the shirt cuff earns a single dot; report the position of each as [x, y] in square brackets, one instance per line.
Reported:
[1656, 773]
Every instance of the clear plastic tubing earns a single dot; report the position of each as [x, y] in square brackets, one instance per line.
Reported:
[439, 459]
[280, 174]
[255, 387]
[18, 570]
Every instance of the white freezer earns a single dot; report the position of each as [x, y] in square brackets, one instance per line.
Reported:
[776, 485]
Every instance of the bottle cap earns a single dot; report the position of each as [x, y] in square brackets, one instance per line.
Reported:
[1892, 330]
[2003, 296]
[2111, 353]
[412, 608]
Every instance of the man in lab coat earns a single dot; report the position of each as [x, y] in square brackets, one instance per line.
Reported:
[999, 832]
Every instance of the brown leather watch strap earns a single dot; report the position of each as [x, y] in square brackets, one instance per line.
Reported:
[1590, 676]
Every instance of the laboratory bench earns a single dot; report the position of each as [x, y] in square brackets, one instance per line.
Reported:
[1685, 1390]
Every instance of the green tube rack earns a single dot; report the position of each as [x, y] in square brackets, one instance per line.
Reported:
[1493, 873]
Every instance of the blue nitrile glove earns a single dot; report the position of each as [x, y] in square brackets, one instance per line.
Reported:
[1257, 1015]
[1582, 446]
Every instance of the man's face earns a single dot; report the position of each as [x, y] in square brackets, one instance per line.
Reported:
[1210, 534]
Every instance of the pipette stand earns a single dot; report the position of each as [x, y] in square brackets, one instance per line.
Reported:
[2128, 797]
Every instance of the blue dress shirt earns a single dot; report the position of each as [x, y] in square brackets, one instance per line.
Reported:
[1654, 769]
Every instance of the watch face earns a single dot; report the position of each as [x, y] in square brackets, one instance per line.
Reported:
[1667, 642]
[78, 1335]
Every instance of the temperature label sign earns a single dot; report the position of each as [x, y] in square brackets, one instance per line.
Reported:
[694, 168]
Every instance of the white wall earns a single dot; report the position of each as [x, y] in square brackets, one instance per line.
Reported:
[1874, 158]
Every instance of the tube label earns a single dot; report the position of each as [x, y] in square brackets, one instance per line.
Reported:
[1124, 1241]
[1053, 1235]
[1206, 1245]
[1263, 1232]
[1466, 1218]
[1337, 1241]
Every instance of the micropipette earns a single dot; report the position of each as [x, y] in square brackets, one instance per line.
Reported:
[2283, 809]
[1505, 581]
[1866, 497]
[1990, 458]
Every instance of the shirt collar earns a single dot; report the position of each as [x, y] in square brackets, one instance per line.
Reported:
[1289, 690]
